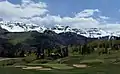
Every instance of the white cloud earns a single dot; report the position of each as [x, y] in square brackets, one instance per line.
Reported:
[111, 27]
[104, 17]
[27, 9]
[51, 20]
[83, 19]
[87, 13]
[30, 3]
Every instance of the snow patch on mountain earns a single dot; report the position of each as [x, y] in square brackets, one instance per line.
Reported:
[87, 32]
[21, 27]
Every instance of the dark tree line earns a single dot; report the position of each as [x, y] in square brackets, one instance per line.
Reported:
[50, 44]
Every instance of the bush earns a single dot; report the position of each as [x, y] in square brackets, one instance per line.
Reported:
[2, 63]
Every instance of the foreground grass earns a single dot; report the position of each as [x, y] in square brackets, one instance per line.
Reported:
[101, 69]
[104, 64]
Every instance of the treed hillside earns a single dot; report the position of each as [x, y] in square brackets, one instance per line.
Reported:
[17, 43]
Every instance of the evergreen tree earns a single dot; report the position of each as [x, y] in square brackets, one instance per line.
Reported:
[22, 53]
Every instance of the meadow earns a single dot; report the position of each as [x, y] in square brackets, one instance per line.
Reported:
[75, 64]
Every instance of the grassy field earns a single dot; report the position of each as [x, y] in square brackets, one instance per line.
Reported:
[102, 69]
[104, 64]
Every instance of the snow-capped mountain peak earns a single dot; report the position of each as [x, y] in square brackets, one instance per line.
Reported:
[24, 27]
[59, 28]
[20, 27]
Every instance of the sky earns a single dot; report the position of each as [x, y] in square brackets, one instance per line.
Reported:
[75, 13]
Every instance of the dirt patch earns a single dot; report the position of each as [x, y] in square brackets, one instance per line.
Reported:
[32, 68]
[58, 66]
[80, 65]
[36, 68]
[20, 66]
[44, 69]
[63, 68]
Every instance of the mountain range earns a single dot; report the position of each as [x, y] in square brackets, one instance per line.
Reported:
[87, 32]
[16, 36]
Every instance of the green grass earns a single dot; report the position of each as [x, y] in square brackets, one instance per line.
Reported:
[92, 62]
[104, 64]
[101, 69]
[11, 62]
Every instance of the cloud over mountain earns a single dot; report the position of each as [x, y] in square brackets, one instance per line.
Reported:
[31, 12]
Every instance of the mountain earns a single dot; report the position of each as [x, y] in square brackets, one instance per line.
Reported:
[15, 26]
[18, 36]
[20, 27]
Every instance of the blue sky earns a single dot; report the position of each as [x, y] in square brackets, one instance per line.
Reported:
[68, 7]
[76, 13]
